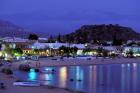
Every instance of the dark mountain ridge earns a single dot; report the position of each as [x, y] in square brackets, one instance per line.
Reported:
[8, 29]
[89, 33]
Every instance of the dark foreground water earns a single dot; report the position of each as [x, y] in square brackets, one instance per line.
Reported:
[112, 78]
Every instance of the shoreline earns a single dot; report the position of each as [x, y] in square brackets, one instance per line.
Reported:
[75, 62]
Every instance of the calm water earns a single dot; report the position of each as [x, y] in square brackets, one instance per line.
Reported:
[114, 78]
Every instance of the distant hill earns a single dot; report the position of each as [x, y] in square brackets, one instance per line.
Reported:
[89, 33]
[9, 29]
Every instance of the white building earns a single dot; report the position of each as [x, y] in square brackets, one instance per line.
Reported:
[38, 45]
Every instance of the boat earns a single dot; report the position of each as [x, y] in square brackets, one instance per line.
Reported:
[27, 83]
[47, 71]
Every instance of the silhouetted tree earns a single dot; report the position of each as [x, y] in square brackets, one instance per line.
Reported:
[8, 50]
[130, 53]
[59, 38]
[116, 42]
[64, 50]
[86, 50]
[17, 51]
[68, 38]
[51, 39]
[74, 50]
[68, 50]
[105, 53]
[0, 46]
[33, 37]
[100, 51]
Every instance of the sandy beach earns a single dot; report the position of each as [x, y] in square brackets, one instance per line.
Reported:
[75, 61]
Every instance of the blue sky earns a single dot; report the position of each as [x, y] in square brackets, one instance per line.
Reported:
[65, 16]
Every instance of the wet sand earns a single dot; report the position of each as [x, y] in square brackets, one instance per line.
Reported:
[10, 88]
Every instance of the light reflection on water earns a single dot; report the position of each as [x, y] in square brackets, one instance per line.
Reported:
[32, 75]
[63, 76]
[113, 78]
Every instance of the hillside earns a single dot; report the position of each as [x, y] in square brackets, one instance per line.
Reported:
[89, 33]
[8, 29]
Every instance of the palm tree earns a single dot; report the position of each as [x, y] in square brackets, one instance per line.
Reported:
[7, 52]
[100, 51]
[17, 52]
[63, 50]
[74, 50]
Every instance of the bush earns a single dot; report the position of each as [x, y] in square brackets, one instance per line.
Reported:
[24, 67]
[3, 70]
[36, 70]
[1, 64]
[2, 86]
[7, 71]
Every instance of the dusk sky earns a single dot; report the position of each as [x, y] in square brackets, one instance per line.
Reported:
[65, 16]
